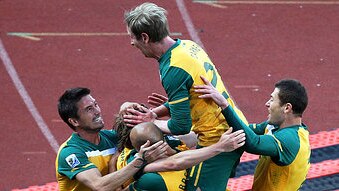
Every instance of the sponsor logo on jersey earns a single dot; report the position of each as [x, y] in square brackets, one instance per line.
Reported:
[72, 160]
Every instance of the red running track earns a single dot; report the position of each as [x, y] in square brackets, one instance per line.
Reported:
[84, 44]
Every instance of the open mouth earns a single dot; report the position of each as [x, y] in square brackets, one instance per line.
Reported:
[97, 119]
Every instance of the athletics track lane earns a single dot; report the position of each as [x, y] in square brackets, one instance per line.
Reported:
[252, 45]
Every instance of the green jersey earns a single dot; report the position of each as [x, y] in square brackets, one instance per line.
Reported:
[77, 155]
[285, 153]
[180, 70]
[155, 181]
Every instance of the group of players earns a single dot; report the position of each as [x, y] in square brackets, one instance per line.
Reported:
[151, 148]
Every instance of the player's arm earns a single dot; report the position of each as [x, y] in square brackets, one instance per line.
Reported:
[159, 104]
[95, 181]
[256, 144]
[177, 84]
[186, 159]
[87, 173]
[161, 111]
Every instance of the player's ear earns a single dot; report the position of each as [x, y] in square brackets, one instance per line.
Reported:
[288, 108]
[73, 121]
[145, 37]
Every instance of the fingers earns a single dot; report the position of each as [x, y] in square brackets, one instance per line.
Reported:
[231, 141]
[237, 133]
[144, 109]
[206, 81]
[134, 112]
[157, 99]
[132, 120]
[142, 148]
[239, 138]
[229, 131]
[155, 152]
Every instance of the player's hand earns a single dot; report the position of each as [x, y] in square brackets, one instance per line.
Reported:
[208, 91]
[230, 141]
[156, 99]
[141, 115]
[153, 152]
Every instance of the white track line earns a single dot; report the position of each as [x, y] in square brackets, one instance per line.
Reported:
[189, 24]
[26, 98]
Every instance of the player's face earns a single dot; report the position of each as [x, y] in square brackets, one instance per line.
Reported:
[275, 110]
[140, 44]
[89, 114]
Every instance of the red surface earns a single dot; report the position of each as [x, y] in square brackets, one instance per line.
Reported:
[251, 45]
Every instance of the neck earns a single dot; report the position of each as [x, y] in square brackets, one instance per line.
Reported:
[291, 121]
[161, 47]
[90, 137]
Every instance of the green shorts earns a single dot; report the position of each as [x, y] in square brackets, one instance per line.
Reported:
[213, 174]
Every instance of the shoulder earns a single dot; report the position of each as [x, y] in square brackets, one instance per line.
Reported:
[71, 145]
[287, 134]
[289, 142]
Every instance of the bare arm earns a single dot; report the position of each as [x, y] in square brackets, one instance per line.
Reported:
[161, 111]
[93, 179]
[186, 159]
[135, 117]
[157, 100]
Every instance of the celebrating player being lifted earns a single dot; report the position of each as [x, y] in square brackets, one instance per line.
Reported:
[181, 63]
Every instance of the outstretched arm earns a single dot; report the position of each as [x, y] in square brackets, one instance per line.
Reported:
[186, 159]
[93, 179]
[256, 144]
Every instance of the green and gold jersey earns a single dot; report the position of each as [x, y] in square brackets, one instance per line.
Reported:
[77, 155]
[157, 181]
[285, 153]
[180, 69]
[288, 170]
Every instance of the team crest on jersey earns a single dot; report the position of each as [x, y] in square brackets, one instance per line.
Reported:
[72, 160]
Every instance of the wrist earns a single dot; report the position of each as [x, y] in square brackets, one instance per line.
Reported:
[139, 161]
[217, 148]
[154, 115]
[223, 105]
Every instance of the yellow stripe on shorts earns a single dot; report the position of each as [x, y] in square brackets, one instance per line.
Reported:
[198, 175]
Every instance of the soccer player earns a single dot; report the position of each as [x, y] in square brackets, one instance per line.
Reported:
[282, 140]
[130, 141]
[168, 173]
[82, 161]
[181, 63]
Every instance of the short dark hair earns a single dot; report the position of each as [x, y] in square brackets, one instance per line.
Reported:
[67, 104]
[292, 91]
